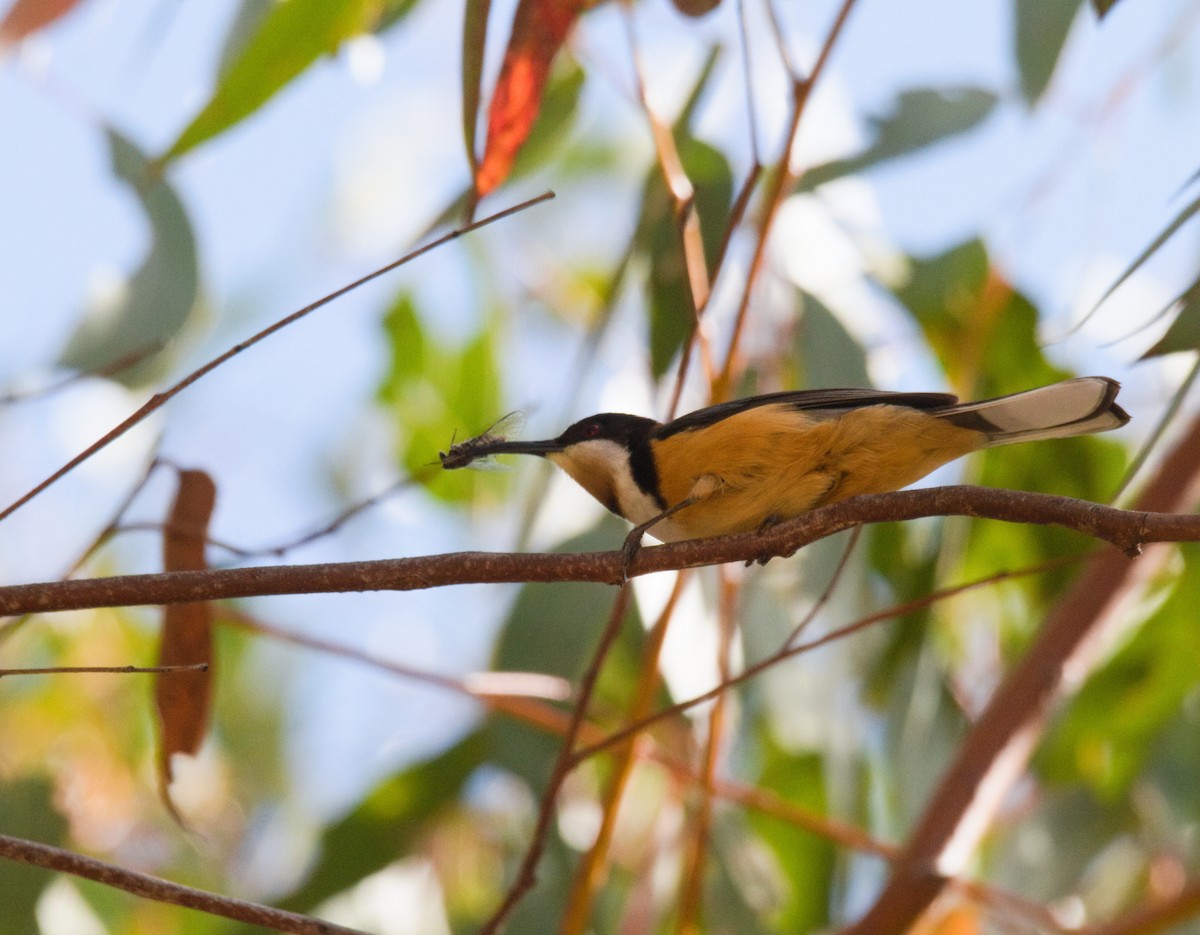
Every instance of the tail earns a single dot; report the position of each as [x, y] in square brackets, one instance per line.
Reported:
[1073, 407]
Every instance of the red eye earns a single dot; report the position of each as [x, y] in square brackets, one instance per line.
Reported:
[592, 430]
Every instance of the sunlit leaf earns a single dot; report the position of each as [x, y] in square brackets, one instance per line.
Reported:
[183, 699]
[557, 115]
[1184, 333]
[438, 393]
[242, 28]
[292, 36]
[920, 118]
[28, 16]
[1114, 723]
[984, 335]
[539, 29]
[1041, 29]
[805, 860]
[158, 299]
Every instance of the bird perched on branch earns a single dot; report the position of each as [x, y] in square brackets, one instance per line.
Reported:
[742, 465]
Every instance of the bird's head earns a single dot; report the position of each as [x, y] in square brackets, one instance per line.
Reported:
[602, 453]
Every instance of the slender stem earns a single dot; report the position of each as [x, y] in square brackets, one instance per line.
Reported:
[589, 875]
[527, 873]
[119, 670]
[160, 399]
[779, 186]
[37, 854]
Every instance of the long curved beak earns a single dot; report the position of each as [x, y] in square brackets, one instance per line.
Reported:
[505, 447]
[473, 449]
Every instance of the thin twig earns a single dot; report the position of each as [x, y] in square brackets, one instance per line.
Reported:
[788, 651]
[589, 874]
[527, 873]
[1156, 434]
[37, 854]
[691, 894]
[778, 188]
[160, 399]
[121, 670]
[823, 599]
[482, 686]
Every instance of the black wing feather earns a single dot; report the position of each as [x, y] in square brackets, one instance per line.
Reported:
[835, 399]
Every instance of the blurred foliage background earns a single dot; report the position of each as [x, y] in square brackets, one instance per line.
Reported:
[965, 187]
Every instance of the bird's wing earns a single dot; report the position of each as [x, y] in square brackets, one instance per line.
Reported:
[835, 399]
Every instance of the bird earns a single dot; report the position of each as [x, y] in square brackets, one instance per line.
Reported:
[747, 464]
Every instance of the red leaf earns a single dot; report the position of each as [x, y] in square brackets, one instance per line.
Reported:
[539, 29]
[183, 698]
[26, 16]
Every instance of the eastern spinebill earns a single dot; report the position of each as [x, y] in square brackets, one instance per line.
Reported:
[742, 465]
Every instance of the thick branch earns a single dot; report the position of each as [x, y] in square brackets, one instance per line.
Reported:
[1126, 529]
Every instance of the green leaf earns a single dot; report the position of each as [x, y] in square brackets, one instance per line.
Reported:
[919, 118]
[474, 41]
[26, 811]
[388, 822]
[394, 11]
[553, 628]
[658, 240]
[1112, 727]
[435, 393]
[242, 27]
[161, 295]
[1184, 333]
[672, 313]
[1041, 29]
[1182, 218]
[828, 353]
[806, 860]
[294, 34]
[984, 335]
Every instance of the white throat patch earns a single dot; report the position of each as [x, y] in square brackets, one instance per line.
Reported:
[601, 467]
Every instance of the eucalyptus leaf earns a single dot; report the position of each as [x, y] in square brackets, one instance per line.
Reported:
[920, 118]
[158, 300]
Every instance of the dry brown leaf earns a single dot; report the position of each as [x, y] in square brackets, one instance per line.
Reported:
[183, 698]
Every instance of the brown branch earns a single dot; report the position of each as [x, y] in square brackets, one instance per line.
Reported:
[37, 854]
[995, 752]
[1126, 529]
[117, 670]
[160, 399]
